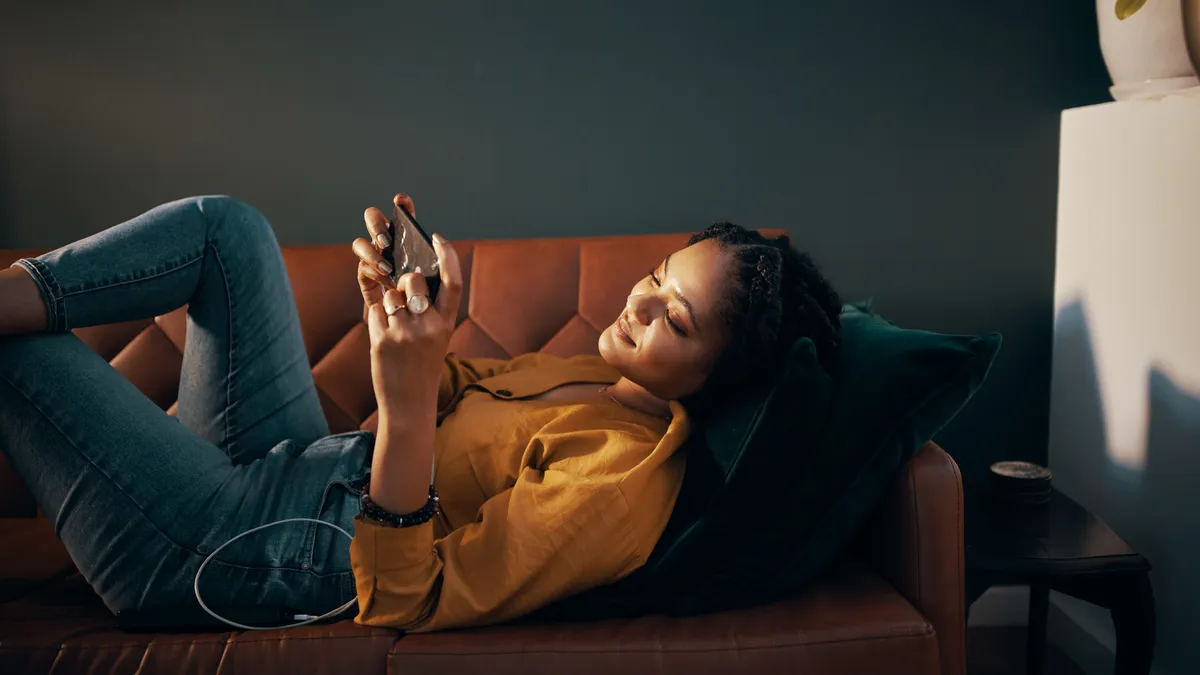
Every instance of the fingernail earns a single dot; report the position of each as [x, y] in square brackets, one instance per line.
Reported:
[439, 238]
[418, 269]
[385, 267]
[384, 240]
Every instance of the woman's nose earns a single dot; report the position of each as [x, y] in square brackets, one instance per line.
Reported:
[639, 307]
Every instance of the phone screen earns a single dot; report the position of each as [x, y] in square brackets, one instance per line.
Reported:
[412, 250]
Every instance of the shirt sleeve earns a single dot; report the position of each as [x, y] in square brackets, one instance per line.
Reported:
[549, 536]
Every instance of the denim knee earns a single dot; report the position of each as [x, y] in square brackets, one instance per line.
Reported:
[229, 218]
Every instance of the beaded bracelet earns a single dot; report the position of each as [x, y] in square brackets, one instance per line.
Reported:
[373, 512]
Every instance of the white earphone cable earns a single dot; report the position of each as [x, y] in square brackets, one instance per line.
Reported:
[305, 619]
[302, 619]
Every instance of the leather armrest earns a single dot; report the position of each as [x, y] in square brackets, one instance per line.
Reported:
[915, 541]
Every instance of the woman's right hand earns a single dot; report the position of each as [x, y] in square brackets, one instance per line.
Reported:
[374, 273]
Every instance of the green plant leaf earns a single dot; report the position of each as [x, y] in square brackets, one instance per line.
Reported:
[1126, 8]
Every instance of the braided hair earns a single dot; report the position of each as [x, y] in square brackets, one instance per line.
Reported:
[777, 296]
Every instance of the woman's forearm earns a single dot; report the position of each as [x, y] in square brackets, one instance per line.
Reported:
[404, 453]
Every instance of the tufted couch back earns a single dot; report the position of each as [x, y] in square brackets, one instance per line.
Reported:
[898, 609]
[531, 295]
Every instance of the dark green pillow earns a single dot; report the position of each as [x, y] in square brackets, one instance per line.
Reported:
[734, 464]
[732, 460]
[779, 482]
[892, 390]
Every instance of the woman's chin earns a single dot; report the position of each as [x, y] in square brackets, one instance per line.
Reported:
[604, 344]
[609, 346]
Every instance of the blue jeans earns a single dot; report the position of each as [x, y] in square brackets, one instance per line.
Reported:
[138, 497]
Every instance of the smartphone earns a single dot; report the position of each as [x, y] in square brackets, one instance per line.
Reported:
[412, 250]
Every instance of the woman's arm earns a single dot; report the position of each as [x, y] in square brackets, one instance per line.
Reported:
[407, 353]
[408, 349]
[548, 537]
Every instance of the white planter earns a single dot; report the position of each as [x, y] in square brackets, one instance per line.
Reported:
[1147, 53]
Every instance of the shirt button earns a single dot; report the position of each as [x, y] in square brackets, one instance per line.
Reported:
[503, 392]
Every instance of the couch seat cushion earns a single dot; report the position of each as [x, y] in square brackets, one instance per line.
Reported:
[65, 628]
[826, 629]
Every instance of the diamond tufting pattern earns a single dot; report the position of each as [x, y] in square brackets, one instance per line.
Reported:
[533, 295]
[547, 295]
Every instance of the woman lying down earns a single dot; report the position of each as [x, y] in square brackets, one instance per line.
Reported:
[552, 476]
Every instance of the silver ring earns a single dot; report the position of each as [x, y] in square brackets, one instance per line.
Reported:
[417, 304]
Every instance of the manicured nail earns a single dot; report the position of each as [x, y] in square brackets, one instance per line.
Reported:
[385, 267]
[439, 238]
[384, 240]
[418, 269]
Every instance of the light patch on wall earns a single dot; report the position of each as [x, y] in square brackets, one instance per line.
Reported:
[1128, 241]
[1125, 396]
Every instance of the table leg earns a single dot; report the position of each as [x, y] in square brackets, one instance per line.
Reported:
[1035, 641]
[1129, 598]
[1132, 610]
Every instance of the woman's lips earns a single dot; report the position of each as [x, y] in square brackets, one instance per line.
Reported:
[623, 332]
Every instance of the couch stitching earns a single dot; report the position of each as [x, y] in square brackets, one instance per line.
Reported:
[787, 645]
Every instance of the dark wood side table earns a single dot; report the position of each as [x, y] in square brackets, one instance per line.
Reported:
[1061, 546]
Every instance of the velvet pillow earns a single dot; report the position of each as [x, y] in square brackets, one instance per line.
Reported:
[779, 482]
[892, 390]
[732, 460]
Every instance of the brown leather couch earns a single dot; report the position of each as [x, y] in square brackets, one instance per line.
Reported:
[895, 606]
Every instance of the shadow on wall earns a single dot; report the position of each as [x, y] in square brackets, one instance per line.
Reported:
[1155, 508]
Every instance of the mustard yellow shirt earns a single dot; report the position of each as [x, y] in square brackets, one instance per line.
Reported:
[541, 499]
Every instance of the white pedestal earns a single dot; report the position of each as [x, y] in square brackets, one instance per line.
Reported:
[1125, 397]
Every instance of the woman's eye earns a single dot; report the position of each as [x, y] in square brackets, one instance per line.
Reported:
[654, 277]
[674, 326]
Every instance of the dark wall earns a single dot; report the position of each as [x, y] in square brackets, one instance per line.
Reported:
[912, 147]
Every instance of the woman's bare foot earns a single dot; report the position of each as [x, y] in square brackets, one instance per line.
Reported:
[21, 307]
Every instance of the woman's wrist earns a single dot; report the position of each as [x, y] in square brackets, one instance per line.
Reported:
[404, 443]
[373, 512]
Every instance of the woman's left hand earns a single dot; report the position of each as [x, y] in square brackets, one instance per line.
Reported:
[409, 336]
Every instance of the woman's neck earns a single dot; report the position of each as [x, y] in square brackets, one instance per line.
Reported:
[633, 395]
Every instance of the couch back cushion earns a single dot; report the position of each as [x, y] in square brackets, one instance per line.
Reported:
[553, 296]
[550, 295]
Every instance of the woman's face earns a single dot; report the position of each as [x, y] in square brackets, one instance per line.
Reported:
[669, 335]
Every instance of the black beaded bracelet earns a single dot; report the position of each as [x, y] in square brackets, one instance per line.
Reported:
[373, 512]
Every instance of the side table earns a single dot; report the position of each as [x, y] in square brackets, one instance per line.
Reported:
[1061, 546]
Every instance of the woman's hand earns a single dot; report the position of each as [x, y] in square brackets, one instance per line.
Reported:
[409, 337]
[374, 273]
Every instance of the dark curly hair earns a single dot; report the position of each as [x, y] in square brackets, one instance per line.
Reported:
[777, 297]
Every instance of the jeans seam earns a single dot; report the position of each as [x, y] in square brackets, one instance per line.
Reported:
[157, 529]
[155, 275]
[81, 453]
[301, 394]
[229, 355]
[51, 291]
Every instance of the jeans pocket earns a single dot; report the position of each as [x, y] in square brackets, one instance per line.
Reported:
[328, 550]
